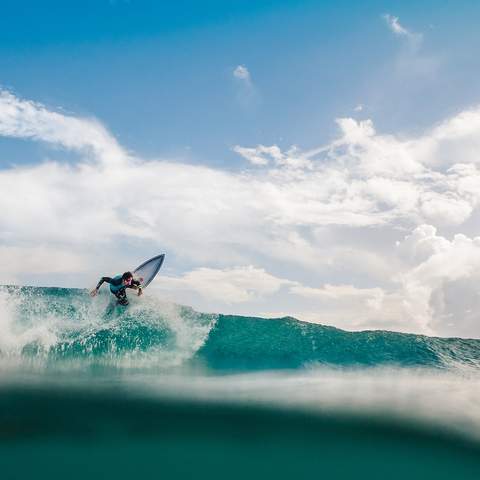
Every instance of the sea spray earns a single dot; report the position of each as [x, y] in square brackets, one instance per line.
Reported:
[53, 326]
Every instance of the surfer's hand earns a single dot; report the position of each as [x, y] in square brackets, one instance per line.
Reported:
[93, 292]
[140, 291]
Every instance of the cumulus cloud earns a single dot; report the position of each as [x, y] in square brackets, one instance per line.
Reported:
[421, 244]
[365, 178]
[331, 214]
[441, 293]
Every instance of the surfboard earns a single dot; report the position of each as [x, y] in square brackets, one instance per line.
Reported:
[148, 270]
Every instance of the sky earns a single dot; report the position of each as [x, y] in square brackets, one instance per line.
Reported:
[304, 158]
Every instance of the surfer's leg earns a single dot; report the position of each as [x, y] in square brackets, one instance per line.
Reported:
[122, 298]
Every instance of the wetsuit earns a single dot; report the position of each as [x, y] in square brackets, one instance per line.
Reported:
[118, 288]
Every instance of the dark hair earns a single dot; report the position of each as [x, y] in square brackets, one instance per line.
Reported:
[127, 275]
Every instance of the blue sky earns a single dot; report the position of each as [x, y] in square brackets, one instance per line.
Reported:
[307, 158]
[159, 75]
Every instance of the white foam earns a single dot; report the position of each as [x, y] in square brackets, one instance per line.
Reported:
[39, 320]
[17, 332]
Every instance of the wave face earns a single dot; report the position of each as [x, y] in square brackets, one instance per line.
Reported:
[56, 326]
[255, 343]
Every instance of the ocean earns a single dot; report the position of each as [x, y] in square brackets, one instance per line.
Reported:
[159, 390]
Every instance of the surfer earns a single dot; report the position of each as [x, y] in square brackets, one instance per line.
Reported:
[118, 286]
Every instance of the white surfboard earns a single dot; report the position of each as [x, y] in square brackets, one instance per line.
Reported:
[149, 269]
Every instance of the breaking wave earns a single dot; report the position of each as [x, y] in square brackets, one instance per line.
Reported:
[57, 326]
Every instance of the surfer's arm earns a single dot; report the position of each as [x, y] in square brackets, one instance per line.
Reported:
[103, 279]
[136, 285]
[99, 284]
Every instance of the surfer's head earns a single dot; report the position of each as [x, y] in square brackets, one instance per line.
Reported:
[127, 278]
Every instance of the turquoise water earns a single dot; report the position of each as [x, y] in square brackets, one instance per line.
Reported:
[161, 390]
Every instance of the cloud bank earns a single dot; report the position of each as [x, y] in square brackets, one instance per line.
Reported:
[346, 234]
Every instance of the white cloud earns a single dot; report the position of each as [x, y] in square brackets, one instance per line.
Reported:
[394, 24]
[398, 29]
[411, 70]
[360, 179]
[421, 244]
[264, 155]
[27, 119]
[353, 308]
[261, 155]
[246, 93]
[232, 285]
[242, 73]
[37, 260]
[370, 298]
[346, 306]
[364, 178]
[442, 293]
[453, 142]
[337, 292]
